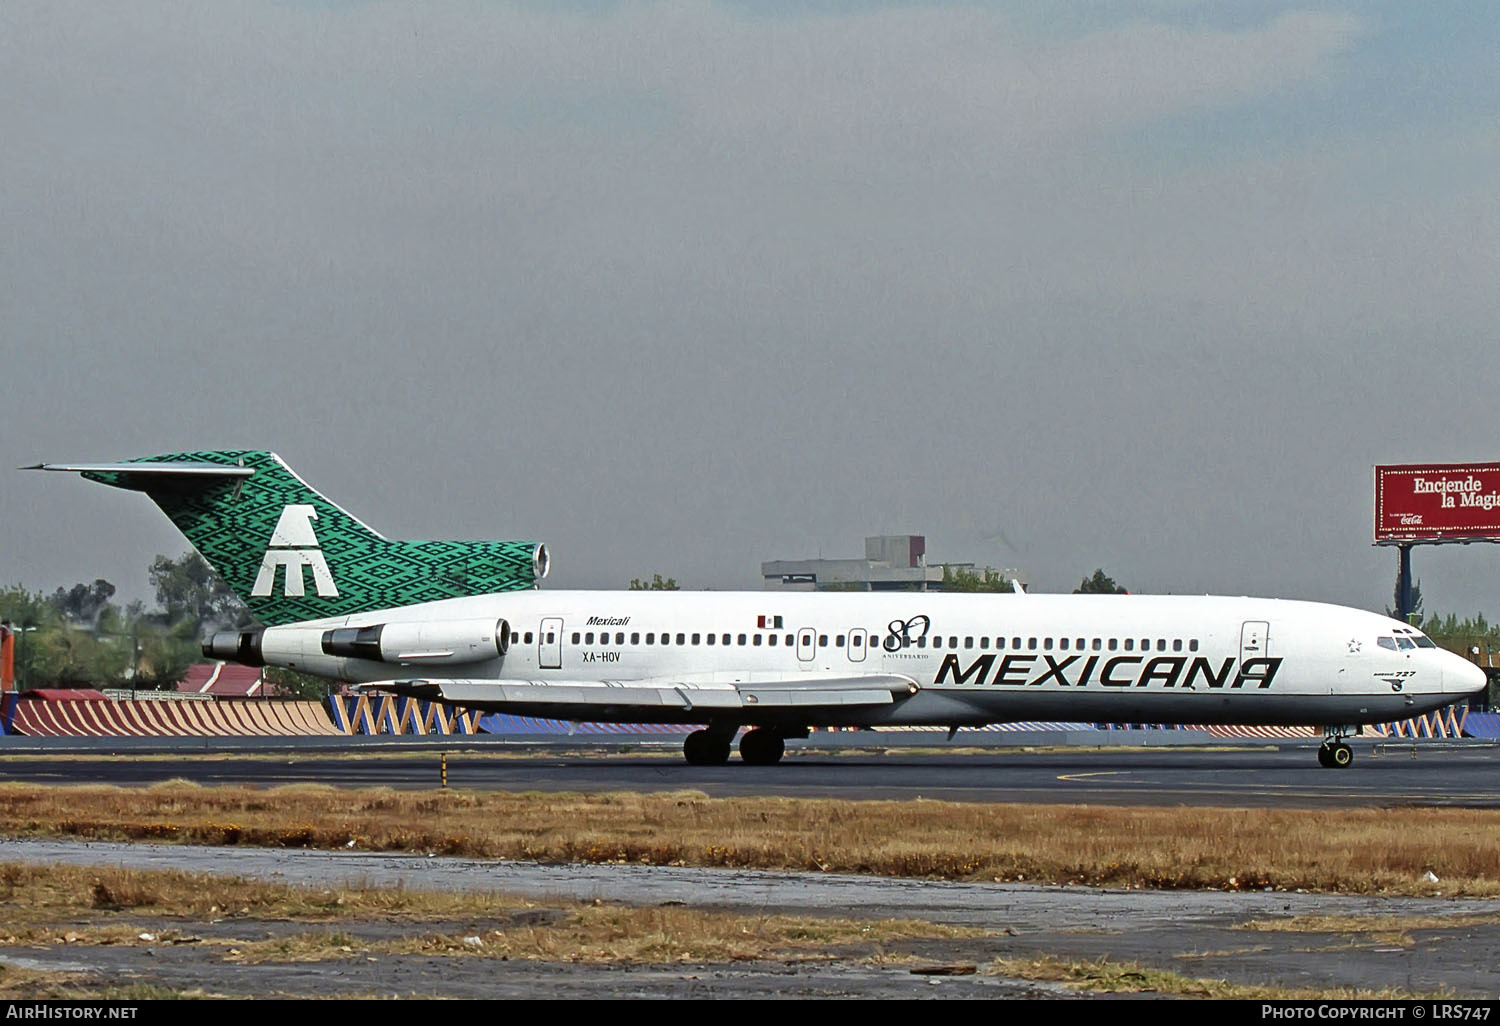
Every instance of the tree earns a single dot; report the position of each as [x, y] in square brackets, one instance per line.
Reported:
[189, 589]
[1416, 599]
[284, 683]
[957, 578]
[161, 654]
[1099, 584]
[657, 584]
[28, 612]
[84, 603]
[1451, 628]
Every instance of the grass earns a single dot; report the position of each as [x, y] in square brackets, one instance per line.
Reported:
[1105, 976]
[104, 906]
[1355, 924]
[48, 906]
[42, 985]
[1364, 851]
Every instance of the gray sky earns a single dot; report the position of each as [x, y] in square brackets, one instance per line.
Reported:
[679, 287]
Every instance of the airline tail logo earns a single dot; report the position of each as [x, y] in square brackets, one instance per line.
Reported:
[294, 546]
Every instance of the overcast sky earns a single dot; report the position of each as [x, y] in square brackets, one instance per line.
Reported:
[679, 287]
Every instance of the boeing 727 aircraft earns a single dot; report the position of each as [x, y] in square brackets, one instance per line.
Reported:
[462, 623]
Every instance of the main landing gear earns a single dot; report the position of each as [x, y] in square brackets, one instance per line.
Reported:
[762, 747]
[759, 747]
[707, 748]
[1334, 753]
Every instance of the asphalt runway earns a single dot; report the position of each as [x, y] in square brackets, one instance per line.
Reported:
[1459, 774]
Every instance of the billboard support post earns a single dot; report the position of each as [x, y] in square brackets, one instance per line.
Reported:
[1403, 584]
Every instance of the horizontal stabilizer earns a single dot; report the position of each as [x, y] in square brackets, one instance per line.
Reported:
[140, 476]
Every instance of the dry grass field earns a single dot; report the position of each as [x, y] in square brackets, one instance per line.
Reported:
[1364, 851]
[227, 921]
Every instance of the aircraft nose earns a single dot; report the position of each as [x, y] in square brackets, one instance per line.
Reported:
[1462, 677]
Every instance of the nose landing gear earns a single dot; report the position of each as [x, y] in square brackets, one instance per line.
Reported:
[1335, 756]
[1334, 753]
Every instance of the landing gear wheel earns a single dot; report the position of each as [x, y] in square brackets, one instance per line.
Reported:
[705, 749]
[762, 748]
[1335, 755]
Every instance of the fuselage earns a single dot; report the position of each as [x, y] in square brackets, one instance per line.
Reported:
[971, 659]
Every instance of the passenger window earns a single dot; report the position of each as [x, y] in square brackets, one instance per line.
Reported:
[1130, 644]
[839, 641]
[1176, 644]
[1000, 643]
[1031, 644]
[791, 639]
[742, 639]
[682, 639]
[984, 643]
[651, 638]
[528, 638]
[697, 639]
[968, 642]
[575, 637]
[1047, 644]
[1192, 644]
[635, 637]
[727, 639]
[772, 640]
[757, 640]
[710, 638]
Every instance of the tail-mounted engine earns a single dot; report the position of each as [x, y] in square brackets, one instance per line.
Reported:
[440, 643]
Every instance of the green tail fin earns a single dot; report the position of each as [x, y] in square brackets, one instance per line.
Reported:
[292, 555]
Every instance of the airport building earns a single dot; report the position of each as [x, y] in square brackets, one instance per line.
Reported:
[893, 562]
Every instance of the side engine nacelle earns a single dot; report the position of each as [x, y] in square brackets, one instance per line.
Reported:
[435, 643]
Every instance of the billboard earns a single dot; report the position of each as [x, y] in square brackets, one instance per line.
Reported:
[1437, 502]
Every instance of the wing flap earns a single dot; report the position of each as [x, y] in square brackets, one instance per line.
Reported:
[580, 699]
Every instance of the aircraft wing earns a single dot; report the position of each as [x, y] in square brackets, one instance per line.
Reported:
[647, 700]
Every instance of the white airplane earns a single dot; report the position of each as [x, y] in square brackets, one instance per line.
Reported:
[462, 623]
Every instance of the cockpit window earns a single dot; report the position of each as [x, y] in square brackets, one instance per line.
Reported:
[1423, 641]
[1389, 643]
[1406, 643]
